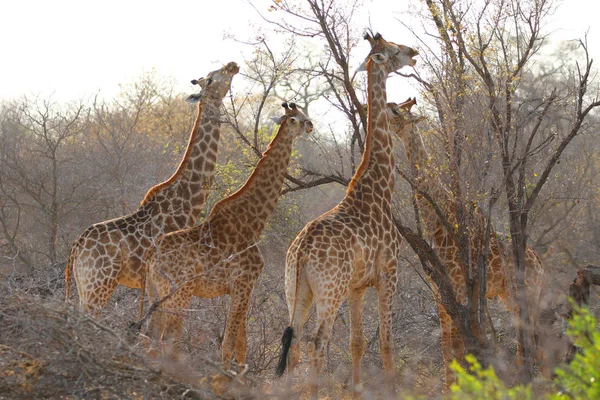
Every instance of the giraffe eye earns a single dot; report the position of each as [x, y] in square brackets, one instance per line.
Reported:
[209, 81]
[395, 112]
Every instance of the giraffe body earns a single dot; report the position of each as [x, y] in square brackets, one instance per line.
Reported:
[111, 252]
[353, 246]
[220, 256]
[500, 271]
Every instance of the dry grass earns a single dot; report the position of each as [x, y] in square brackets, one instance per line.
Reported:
[48, 350]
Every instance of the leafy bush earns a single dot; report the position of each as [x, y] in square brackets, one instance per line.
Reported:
[578, 380]
[581, 378]
[479, 383]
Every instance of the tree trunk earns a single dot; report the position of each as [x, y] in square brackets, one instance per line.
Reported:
[524, 328]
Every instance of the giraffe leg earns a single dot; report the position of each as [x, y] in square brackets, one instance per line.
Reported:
[534, 290]
[93, 297]
[458, 349]
[253, 262]
[326, 313]
[540, 356]
[385, 291]
[241, 339]
[446, 343]
[303, 303]
[96, 280]
[513, 308]
[142, 293]
[172, 327]
[238, 313]
[166, 323]
[357, 338]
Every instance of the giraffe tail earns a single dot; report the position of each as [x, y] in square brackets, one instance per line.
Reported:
[68, 269]
[288, 334]
[286, 342]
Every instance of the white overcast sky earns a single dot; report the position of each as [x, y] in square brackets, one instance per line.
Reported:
[75, 48]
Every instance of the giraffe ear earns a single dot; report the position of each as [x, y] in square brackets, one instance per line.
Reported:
[362, 67]
[278, 120]
[194, 98]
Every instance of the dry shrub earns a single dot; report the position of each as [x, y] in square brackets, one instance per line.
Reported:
[48, 350]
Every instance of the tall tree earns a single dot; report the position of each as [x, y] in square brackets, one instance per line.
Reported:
[38, 164]
[474, 81]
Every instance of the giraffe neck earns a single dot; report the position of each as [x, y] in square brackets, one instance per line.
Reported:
[185, 192]
[416, 154]
[419, 160]
[375, 172]
[256, 200]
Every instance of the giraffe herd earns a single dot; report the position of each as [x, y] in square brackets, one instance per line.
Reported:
[111, 252]
[336, 257]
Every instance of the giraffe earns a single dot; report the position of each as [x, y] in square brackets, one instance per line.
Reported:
[353, 246]
[111, 252]
[501, 281]
[221, 256]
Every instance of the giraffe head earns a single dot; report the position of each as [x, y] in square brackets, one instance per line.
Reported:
[390, 56]
[401, 119]
[296, 122]
[215, 85]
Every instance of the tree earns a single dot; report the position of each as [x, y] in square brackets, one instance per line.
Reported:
[474, 82]
[145, 124]
[37, 169]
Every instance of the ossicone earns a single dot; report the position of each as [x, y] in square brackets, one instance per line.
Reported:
[407, 105]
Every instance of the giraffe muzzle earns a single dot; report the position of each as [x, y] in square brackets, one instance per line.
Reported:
[309, 127]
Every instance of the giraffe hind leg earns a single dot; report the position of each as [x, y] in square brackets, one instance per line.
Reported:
[326, 313]
[357, 338]
[385, 292]
[96, 281]
[302, 307]
[142, 293]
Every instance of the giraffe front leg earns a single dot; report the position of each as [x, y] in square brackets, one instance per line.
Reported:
[385, 292]
[446, 344]
[357, 338]
[166, 323]
[238, 312]
[254, 266]
[241, 339]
